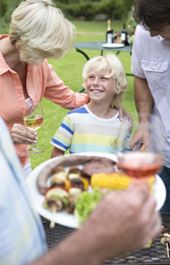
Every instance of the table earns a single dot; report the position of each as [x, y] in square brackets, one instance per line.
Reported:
[154, 255]
[97, 45]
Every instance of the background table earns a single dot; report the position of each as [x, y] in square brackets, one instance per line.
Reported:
[96, 45]
[156, 254]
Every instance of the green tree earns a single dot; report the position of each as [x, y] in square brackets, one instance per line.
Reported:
[115, 9]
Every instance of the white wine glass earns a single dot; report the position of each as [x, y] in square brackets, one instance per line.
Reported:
[34, 122]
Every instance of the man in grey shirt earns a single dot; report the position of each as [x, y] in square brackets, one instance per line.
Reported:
[151, 68]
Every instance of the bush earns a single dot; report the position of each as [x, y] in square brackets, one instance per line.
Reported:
[86, 9]
[115, 9]
[75, 10]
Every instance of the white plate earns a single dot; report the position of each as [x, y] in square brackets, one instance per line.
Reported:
[159, 192]
[113, 45]
[69, 220]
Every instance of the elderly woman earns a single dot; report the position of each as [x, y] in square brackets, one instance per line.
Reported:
[38, 30]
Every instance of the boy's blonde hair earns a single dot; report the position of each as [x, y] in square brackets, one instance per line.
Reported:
[39, 30]
[109, 66]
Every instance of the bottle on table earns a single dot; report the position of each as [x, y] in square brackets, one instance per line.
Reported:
[124, 35]
[109, 32]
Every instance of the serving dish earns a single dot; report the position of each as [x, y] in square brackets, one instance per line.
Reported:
[64, 218]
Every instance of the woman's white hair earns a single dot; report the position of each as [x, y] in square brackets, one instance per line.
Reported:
[109, 66]
[39, 30]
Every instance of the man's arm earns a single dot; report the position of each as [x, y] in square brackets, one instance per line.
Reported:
[118, 225]
[144, 104]
[143, 99]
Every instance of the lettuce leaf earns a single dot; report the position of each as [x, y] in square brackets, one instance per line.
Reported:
[86, 203]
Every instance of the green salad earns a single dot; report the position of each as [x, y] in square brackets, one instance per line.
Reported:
[86, 203]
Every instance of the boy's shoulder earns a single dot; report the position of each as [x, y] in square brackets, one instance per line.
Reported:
[79, 110]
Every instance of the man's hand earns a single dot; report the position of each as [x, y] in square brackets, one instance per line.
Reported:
[141, 138]
[22, 135]
[125, 221]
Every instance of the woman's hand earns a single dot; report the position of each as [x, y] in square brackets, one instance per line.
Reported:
[22, 135]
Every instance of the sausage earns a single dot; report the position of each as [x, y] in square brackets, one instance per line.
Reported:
[91, 164]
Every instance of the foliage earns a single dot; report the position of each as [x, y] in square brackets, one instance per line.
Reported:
[87, 9]
[131, 24]
[115, 9]
[6, 9]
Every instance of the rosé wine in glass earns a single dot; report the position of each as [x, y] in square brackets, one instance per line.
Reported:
[139, 164]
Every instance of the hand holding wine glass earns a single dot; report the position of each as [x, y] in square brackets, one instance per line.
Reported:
[146, 157]
[34, 122]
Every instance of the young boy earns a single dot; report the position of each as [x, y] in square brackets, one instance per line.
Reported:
[96, 126]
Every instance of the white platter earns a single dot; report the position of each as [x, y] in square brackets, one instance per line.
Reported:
[113, 45]
[69, 220]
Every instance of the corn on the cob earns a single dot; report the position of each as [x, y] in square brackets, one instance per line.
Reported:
[116, 181]
[85, 182]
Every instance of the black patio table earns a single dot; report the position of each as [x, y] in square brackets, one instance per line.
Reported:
[82, 48]
[156, 254]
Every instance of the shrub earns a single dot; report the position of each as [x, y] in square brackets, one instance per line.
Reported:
[87, 9]
[115, 9]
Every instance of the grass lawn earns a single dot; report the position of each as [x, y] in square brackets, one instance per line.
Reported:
[69, 69]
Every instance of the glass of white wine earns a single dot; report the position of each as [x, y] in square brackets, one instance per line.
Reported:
[34, 122]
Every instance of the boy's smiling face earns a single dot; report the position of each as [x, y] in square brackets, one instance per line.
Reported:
[100, 87]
